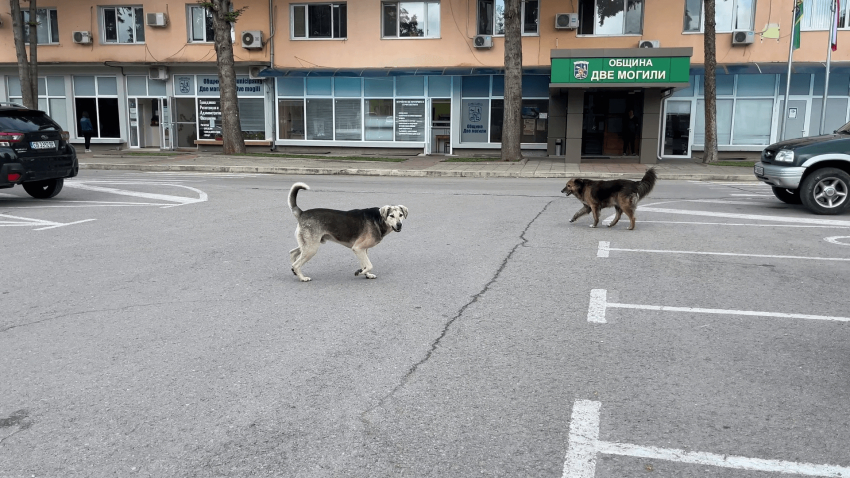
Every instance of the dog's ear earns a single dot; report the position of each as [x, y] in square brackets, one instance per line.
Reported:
[403, 210]
[579, 185]
[385, 211]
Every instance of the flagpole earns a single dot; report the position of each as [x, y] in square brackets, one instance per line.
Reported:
[828, 62]
[788, 75]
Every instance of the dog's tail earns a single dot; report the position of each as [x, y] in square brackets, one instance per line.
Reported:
[647, 183]
[293, 192]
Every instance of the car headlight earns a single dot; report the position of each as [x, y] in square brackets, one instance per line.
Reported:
[785, 156]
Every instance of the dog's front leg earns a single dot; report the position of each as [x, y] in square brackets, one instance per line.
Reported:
[581, 212]
[365, 263]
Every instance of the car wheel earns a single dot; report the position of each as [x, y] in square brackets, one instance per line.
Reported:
[788, 196]
[44, 189]
[825, 191]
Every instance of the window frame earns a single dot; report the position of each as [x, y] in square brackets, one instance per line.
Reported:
[701, 30]
[334, 26]
[493, 19]
[51, 13]
[397, 35]
[622, 30]
[845, 9]
[140, 27]
[190, 24]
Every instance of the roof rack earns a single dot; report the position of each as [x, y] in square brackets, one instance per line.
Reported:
[11, 103]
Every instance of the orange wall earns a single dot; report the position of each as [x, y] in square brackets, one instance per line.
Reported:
[364, 47]
[162, 44]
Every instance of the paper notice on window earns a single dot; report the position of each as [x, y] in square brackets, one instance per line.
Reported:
[528, 126]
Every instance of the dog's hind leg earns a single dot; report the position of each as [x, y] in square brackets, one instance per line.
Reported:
[616, 216]
[630, 210]
[307, 253]
[293, 254]
[365, 263]
[581, 212]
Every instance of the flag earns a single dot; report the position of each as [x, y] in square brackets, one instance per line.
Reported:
[798, 19]
[833, 35]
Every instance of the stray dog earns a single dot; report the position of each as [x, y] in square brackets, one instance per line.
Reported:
[623, 194]
[358, 229]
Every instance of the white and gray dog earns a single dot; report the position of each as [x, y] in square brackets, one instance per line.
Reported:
[357, 229]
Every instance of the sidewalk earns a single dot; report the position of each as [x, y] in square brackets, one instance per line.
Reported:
[415, 166]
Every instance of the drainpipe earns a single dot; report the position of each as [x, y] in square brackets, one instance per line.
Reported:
[271, 66]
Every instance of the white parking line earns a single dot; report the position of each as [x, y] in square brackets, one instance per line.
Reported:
[40, 223]
[605, 248]
[756, 217]
[179, 200]
[599, 304]
[584, 446]
[835, 240]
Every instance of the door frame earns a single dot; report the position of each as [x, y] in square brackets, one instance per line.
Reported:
[691, 120]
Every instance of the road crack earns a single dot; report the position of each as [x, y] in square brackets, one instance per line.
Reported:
[413, 369]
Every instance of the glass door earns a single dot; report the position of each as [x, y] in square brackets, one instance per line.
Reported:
[677, 129]
[132, 107]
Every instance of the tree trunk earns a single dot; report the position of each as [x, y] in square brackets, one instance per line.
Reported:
[33, 63]
[29, 100]
[512, 122]
[710, 45]
[231, 134]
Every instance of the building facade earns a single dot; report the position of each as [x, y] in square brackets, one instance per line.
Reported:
[600, 78]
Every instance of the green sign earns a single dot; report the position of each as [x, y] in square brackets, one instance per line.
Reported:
[621, 70]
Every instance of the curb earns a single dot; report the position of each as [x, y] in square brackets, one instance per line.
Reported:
[407, 173]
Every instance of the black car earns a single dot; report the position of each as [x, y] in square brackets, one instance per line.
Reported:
[34, 152]
[814, 171]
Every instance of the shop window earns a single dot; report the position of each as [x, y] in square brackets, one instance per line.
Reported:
[252, 118]
[290, 119]
[378, 119]
[491, 17]
[410, 120]
[200, 25]
[319, 20]
[610, 17]
[51, 97]
[753, 119]
[320, 119]
[99, 97]
[534, 124]
[724, 122]
[410, 20]
[347, 120]
[729, 15]
[123, 24]
[47, 30]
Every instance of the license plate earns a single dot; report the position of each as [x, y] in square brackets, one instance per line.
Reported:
[759, 170]
[43, 144]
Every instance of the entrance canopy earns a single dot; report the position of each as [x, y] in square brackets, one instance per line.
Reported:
[621, 68]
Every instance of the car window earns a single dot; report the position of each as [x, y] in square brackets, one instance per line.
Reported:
[26, 122]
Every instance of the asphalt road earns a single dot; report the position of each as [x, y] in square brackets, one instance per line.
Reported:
[151, 326]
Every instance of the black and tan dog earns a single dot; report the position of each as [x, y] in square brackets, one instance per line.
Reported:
[623, 194]
[358, 229]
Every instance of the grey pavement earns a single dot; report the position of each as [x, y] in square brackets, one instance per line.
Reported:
[414, 166]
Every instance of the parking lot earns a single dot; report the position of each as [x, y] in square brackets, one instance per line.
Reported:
[153, 328]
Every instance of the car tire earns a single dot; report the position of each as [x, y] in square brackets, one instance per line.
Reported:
[826, 191]
[44, 189]
[788, 196]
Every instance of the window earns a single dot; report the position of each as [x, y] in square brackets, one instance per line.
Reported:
[610, 17]
[98, 96]
[491, 17]
[200, 25]
[411, 19]
[817, 15]
[123, 24]
[48, 25]
[319, 20]
[730, 15]
[51, 97]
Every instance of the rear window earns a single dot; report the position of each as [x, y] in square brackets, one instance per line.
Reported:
[26, 122]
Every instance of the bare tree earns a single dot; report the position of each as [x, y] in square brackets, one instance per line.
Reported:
[223, 16]
[512, 122]
[27, 67]
[710, 46]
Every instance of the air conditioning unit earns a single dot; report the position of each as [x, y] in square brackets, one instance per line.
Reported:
[566, 21]
[158, 73]
[649, 44]
[254, 72]
[743, 37]
[156, 19]
[252, 39]
[82, 37]
[483, 41]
